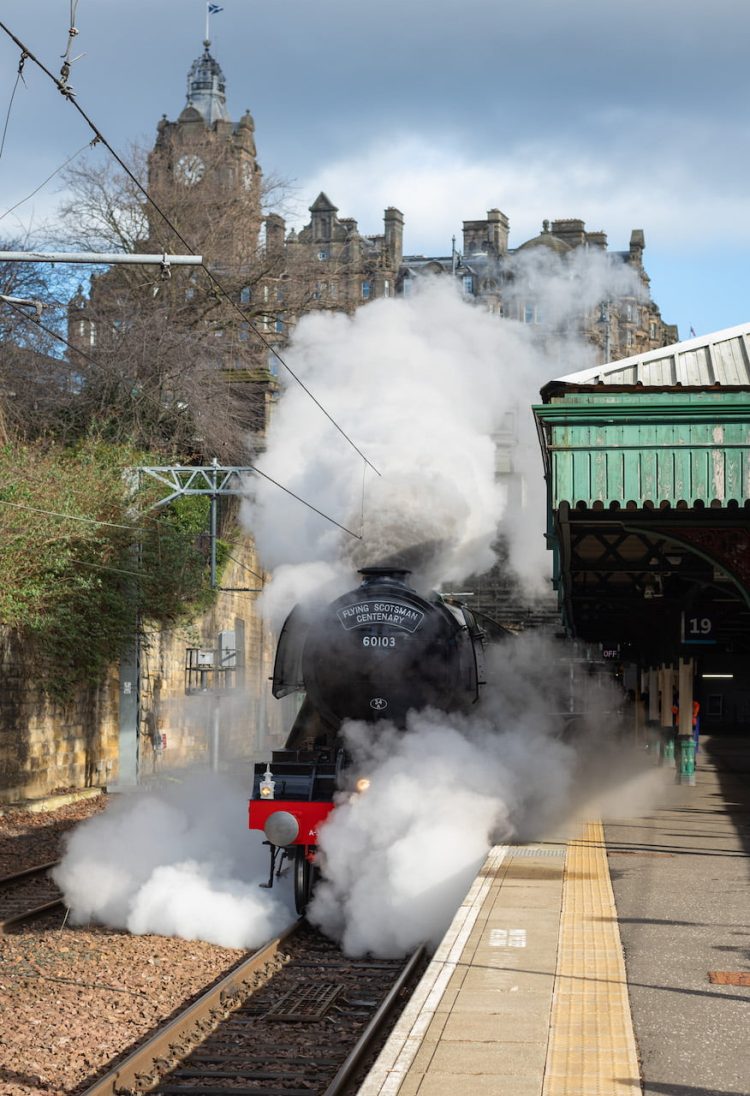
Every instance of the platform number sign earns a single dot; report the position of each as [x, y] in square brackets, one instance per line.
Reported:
[698, 628]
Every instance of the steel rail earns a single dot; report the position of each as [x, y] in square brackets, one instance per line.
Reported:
[130, 1072]
[7, 881]
[29, 915]
[348, 1067]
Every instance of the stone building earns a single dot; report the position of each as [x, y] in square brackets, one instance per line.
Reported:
[345, 269]
[204, 173]
[494, 275]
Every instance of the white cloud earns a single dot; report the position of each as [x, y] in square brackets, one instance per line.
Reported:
[609, 189]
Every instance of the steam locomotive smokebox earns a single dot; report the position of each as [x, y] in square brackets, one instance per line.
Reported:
[380, 651]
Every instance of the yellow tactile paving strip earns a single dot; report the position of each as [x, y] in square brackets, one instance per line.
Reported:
[526, 995]
[591, 1050]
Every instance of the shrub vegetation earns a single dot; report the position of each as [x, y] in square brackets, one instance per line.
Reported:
[86, 560]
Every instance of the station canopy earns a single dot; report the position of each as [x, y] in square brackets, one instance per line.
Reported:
[647, 463]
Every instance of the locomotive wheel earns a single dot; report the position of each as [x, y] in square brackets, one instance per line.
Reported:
[305, 875]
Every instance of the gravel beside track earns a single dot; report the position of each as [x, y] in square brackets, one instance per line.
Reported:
[28, 839]
[73, 999]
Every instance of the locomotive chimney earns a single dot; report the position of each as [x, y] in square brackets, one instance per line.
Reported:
[385, 573]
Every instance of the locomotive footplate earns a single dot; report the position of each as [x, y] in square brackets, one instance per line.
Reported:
[308, 816]
[305, 782]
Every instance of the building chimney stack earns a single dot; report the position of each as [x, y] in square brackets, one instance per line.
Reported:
[394, 235]
[498, 227]
[275, 232]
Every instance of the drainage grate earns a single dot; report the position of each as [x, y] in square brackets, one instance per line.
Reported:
[526, 851]
[729, 977]
[305, 1004]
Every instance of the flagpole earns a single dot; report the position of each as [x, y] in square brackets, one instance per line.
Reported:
[207, 39]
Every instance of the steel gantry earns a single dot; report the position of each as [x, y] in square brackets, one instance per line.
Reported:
[214, 481]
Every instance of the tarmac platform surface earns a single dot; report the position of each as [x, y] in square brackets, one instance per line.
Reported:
[581, 968]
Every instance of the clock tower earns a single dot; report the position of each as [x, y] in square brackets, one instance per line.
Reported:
[204, 173]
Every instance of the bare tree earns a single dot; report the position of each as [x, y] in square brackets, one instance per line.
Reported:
[34, 374]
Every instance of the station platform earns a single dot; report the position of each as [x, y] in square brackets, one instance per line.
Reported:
[543, 986]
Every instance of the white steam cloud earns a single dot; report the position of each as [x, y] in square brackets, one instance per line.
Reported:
[424, 385]
[178, 861]
[398, 859]
[421, 385]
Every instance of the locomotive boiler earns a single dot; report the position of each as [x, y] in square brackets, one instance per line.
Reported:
[373, 654]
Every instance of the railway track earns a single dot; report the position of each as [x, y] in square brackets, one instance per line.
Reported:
[295, 1019]
[27, 894]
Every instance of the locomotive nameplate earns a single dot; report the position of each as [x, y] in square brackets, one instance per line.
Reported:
[396, 614]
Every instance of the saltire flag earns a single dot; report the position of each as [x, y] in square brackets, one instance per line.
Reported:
[692, 331]
[214, 8]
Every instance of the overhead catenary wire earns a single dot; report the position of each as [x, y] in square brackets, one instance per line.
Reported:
[67, 517]
[89, 144]
[245, 567]
[143, 528]
[19, 78]
[69, 94]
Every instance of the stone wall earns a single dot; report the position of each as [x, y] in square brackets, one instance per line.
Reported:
[222, 715]
[226, 718]
[46, 747]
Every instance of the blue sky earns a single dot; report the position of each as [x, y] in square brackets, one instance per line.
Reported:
[623, 115]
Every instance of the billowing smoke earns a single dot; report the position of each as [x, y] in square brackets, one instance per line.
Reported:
[421, 384]
[566, 289]
[426, 386]
[398, 859]
[178, 861]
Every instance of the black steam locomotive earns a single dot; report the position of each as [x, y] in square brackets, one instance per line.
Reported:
[374, 654]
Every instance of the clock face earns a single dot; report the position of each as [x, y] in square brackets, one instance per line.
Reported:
[190, 170]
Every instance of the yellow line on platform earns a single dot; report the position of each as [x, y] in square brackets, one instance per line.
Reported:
[591, 1049]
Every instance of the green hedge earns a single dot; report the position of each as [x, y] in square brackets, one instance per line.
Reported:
[85, 560]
